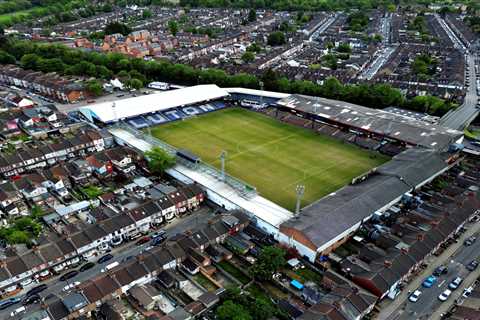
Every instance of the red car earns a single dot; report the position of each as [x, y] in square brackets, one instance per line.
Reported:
[144, 240]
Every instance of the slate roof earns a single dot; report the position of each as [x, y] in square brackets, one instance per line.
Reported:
[332, 215]
[394, 126]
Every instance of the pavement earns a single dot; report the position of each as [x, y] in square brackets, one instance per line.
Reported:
[179, 225]
[461, 117]
[428, 306]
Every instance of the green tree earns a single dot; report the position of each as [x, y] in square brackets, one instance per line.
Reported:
[173, 27]
[29, 61]
[6, 58]
[254, 47]
[146, 14]
[271, 259]
[117, 27]
[159, 160]
[229, 310]
[248, 56]
[344, 48]
[276, 38]
[94, 87]
[135, 84]
[252, 15]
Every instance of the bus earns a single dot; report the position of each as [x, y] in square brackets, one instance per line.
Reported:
[159, 85]
[253, 104]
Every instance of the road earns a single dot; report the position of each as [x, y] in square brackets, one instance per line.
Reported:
[460, 118]
[428, 304]
[180, 225]
[382, 57]
[323, 27]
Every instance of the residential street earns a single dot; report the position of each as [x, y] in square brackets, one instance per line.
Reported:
[463, 115]
[55, 286]
[428, 305]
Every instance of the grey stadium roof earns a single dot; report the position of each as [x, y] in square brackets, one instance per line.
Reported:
[395, 126]
[332, 215]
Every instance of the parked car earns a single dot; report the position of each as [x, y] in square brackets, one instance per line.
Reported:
[8, 302]
[33, 299]
[87, 266]
[69, 275]
[472, 265]
[455, 283]
[70, 286]
[469, 241]
[428, 282]
[36, 290]
[17, 311]
[143, 240]
[105, 258]
[467, 292]
[415, 296]
[444, 295]
[440, 271]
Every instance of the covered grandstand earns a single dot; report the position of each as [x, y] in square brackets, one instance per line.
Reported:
[393, 127]
[158, 108]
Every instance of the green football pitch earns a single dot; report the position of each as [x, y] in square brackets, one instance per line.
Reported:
[271, 155]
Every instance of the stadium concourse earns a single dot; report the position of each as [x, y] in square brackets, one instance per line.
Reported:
[426, 150]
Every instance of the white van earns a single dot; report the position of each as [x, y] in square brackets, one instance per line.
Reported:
[17, 311]
[110, 266]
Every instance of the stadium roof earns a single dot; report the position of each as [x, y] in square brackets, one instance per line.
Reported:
[325, 219]
[135, 106]
[394, 126]
[260, 93]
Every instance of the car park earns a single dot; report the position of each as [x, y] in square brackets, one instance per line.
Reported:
[444, 295]
[69, 275]
[440, 271]
[87, 266]
[105, 258]
[455, 283]
[36, 290]
[472, 265]
[429, 281]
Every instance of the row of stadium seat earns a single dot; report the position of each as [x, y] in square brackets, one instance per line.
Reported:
[371, 143]
[174, 114]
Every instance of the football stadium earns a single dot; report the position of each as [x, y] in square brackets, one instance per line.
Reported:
[354, 162]
[273, 156]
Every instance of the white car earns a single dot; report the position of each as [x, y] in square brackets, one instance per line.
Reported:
[415, 296]
[467, 292]
[17, 311]
[444, 295]
[70, 286]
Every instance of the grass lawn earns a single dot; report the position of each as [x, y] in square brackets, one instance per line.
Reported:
[204, 282]
[271, 155]
[233, 271]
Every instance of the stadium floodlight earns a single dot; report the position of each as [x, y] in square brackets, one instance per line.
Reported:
[223, 156]
[114, 110]
[300, 191]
